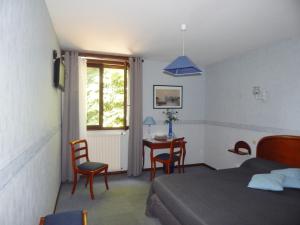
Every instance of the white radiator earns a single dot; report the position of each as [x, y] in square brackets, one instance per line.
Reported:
[105, 148]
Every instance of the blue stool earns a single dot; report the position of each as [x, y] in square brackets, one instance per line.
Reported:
[77, 217]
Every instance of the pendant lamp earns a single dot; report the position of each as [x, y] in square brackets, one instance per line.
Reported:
[182, 65]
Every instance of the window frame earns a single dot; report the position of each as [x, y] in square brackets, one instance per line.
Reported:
[101, 64]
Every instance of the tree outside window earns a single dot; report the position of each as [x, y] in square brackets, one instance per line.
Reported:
[106, 96]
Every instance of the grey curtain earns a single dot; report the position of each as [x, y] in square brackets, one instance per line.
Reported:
[136, 117]
[70, 120]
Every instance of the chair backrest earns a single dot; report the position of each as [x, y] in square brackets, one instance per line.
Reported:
[177, 143]
[79, 149]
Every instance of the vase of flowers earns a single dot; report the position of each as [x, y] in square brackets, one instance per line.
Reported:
[171, 117]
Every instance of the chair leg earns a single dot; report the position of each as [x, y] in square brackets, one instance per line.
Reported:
[105, 178]
[91, 186]
[168, 168]
[151, 170]
[74, 182]
[87, 181]
[154, 170]
[179, 167]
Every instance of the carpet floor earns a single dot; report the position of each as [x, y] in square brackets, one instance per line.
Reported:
[123, 204]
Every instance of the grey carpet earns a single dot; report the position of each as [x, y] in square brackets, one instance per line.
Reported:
[123, 204]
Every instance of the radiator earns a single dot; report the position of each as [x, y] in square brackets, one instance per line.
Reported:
[105, 148]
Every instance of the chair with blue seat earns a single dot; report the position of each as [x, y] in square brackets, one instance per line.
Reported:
[79, 149]
[77, 217]
[175, 155]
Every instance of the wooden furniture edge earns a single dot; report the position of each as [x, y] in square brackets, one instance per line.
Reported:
[238, 152]
[42, 221]
[84, 217]
[283, 149]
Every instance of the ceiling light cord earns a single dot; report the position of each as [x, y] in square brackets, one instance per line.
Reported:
[183, 29]
[183, 42]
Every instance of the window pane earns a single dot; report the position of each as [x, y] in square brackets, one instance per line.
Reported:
[93, 96]
[113, 97]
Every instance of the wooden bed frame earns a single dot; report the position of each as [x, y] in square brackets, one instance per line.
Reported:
[280, 148]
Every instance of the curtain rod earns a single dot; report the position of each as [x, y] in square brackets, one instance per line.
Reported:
[96, 55]
[102, 56]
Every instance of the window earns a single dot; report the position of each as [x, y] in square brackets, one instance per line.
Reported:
[106, 95]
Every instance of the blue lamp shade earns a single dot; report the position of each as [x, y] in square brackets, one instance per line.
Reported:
[149, 121]
[182, 66]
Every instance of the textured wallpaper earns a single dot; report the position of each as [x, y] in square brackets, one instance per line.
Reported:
[232, 111]
[29, 114]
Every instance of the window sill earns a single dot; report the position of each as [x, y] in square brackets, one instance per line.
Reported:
[106, 132]
[98, 128]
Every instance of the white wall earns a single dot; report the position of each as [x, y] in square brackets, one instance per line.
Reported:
[231, 111]
[30, 113]
[191, 115]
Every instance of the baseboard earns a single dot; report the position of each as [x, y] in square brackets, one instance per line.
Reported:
[200, 164]
[117, 172]
[160, 168]
[56, 201]
[187, 165]
[208, 166]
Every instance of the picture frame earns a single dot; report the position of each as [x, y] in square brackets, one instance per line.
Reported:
[167, 97]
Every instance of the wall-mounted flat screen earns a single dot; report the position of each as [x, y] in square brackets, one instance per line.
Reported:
[59, 74]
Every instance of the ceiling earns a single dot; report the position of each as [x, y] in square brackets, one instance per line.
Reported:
[216, 29]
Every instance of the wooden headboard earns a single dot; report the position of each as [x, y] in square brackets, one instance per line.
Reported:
[280, 148]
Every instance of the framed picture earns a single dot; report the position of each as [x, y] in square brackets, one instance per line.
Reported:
[167, 97]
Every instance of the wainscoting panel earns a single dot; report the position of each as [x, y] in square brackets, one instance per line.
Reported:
[105, 148]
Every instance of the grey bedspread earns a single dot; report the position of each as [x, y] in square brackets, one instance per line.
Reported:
[222, 198]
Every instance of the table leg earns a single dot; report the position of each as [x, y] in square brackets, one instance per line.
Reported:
[151, 162]
[183, 157]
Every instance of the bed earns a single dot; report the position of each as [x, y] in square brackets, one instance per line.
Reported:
[222, 198]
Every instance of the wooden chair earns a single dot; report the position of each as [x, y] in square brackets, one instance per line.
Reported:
[173, 156]
[71, 218]
[87, 168]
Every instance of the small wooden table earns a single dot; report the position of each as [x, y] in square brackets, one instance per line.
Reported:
[154, 144]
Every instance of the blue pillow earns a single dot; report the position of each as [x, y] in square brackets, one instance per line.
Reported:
[292, 177]
[290, 182]
[289, 172]
[270, 182]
